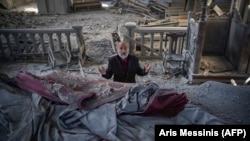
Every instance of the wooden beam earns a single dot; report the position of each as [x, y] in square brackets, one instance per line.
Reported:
[200, 78]
[162, 24]
[160, 29]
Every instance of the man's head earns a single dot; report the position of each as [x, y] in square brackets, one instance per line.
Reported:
[123, 49]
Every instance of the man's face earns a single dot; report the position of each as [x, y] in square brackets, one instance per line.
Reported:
[123, 49]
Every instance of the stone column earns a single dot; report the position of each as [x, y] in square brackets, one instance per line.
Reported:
[79, 35]
[81, 44]
[130, 27]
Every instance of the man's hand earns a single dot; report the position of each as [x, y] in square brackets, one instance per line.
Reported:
[102, 70]
[147, 67]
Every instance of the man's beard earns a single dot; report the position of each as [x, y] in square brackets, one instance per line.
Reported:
[123, 56]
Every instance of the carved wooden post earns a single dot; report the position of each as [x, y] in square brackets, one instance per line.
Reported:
[200, 38]
[233, 6]
[195, 5]
[190, 14]
[242, 6]
[130, 27]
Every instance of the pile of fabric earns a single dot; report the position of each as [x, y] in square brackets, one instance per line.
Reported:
[90, 93]
[71, 89]
[64, 107]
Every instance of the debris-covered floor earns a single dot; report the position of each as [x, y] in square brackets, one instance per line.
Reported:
[228, 102]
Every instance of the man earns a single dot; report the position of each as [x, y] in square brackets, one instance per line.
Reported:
[123, 66]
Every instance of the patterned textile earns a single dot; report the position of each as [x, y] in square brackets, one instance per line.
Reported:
[150, 99]
[87, 94]
[69, 89]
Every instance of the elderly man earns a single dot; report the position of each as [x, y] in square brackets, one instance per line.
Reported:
[123, 66]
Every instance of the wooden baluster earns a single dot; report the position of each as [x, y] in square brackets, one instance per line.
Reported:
[24, 37]
[34, 42]
[2, 49]
[161, 42]
[59, 40]
[151, 44]
[15, 35]
[142, 42]
[51, 42]
[68, 41]
[7, 37]
[42, 42]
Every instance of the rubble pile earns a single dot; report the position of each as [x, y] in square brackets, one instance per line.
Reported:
[150, 10]
[168, 12]
[16, 19]
[154, 12]
[99, 51]
[20, 19]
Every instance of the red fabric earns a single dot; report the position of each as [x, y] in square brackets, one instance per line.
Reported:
[166, 102]
[124, 64]
[33, 83]
[67, 89]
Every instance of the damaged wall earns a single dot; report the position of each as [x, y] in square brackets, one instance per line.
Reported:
[238, 50]
[216, 36]
[9, 4]
[53, 6]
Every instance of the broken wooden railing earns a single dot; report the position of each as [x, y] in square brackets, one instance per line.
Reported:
[151, 41]
[58, 46]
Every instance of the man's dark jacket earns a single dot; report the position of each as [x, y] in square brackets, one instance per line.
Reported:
[115, 68]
